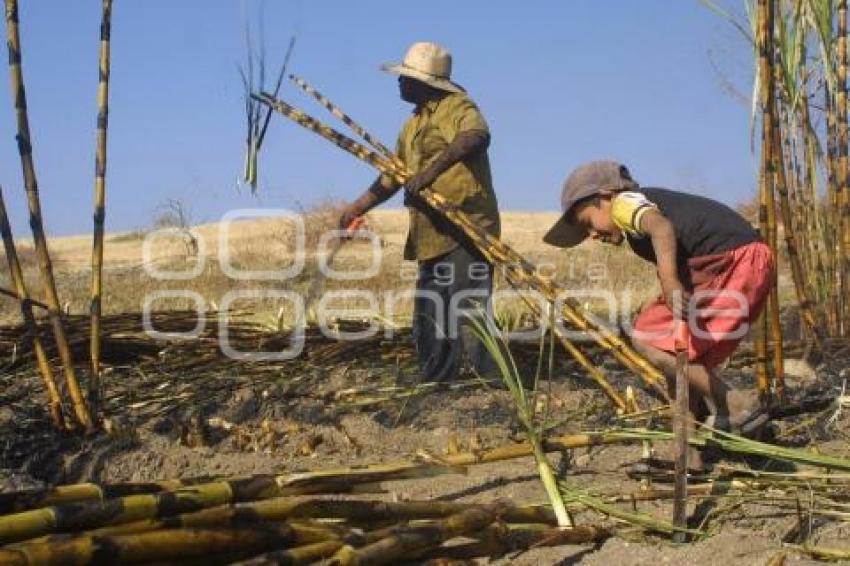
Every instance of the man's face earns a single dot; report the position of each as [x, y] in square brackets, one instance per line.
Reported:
[410, 90]
[596, 219]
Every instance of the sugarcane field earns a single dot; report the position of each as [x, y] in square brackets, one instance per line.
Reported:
[553, 283]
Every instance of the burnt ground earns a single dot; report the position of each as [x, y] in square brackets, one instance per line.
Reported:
[179, 410]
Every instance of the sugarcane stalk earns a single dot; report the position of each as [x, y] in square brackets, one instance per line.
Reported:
[594, 372]
[773, 305]
[167, 544]
[767, 217]
[31, 185]
[498, 541]
[14, 295]
[13, 502]
[346, 119]
[815, 234]
[99, 206]
[519, 270]
[354, 511]
[89, 515]
[260, 487]
[525, 411]
[822, 552]
[298, 556]
[16, 274]
[804, 299]
[834, 196]
[843, 237]
[585, 498]
[411, 541]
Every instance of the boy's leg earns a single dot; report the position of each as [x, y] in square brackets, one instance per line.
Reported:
[721, 400]
[704, 385]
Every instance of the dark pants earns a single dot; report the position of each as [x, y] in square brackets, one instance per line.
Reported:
[446, 287]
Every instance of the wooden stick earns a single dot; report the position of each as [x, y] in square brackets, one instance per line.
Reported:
[681, 424]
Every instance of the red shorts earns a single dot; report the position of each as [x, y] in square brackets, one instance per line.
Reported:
[730, 289]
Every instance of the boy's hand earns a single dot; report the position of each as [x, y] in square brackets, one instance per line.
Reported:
[676, 296]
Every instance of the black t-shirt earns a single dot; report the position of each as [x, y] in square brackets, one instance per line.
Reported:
[703, 226]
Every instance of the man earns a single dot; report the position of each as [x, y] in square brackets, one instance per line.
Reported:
[700, 247]
[445, 143]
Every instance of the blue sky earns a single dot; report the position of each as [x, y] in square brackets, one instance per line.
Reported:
[559, 81]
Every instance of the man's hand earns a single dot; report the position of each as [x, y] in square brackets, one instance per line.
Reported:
[348, 215]
[676, 297]
[419, 181]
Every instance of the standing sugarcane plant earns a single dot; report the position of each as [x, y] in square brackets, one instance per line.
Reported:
[253, 76]
[17, 276]
[81, 411]
[525, 405]
[843, 236]
[99, 205]
[767, 176]
[801, 91]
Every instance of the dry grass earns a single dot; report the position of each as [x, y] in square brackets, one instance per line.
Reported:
[266, 244]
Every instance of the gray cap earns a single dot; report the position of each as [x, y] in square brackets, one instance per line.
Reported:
[586, 180]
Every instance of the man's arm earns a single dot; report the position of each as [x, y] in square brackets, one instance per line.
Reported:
[379, 192]
[663, 236]
[465, 144]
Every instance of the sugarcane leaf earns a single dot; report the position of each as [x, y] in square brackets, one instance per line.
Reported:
[278, 84]
[711, 5]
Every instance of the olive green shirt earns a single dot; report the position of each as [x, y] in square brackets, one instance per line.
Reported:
[466, 184]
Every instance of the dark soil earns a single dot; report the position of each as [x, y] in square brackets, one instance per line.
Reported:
[168, 420]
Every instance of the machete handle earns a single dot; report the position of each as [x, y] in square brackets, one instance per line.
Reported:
[354, 226]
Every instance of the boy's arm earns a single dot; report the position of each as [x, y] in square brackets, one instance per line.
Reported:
[660, 231]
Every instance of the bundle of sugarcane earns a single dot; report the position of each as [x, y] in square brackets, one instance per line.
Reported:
[270, 516]
[519, 271]
[277, 532]
[88, 510]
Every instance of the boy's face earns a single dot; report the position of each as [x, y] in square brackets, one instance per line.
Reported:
[596, 219]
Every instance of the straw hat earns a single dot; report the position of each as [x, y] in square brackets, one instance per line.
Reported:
[426, 62]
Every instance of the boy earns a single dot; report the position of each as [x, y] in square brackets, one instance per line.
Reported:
[715, 271]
